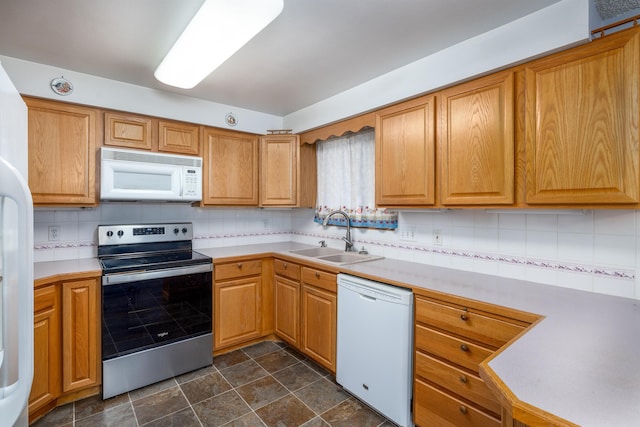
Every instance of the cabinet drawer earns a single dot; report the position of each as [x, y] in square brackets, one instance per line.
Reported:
[458, 351]
[320, 279]
[44, 299]
[237, 269]
[456, 380]
[286, 269]
[435, 408]
[468, 323]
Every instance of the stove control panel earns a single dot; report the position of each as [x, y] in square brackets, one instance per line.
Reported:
[122, 234]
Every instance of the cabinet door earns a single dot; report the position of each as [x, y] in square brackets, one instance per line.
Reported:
[319, 309]
[405, 154]
[230, 168]
[128, 131]
[279, 170]
[582, 124]
[176, 137]
[62, 153]
[80, 323]
[237, 311]
[287, 310]
[477, 142]
[46, 348]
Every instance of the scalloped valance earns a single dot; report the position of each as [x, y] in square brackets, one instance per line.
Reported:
[354, 124]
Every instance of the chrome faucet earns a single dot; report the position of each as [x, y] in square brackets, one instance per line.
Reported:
[347, 238]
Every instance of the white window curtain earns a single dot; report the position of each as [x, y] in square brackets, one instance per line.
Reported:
[346, 181]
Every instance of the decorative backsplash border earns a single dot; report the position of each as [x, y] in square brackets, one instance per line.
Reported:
[610, 272]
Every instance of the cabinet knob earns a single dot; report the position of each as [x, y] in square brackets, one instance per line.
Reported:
[239, 265]
[317, 275]
[284, 265]
[464, 316]
[464, 347]
[463, 409]
[463, 379]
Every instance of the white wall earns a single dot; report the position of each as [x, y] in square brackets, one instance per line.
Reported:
[34, 79]
[560, 25]
[596, 251]
[213, 227]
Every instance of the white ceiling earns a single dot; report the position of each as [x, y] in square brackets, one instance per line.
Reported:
[313, 50]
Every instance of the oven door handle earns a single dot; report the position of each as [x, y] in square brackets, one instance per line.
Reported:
[114, 279]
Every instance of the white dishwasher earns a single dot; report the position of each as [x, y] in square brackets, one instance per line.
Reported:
[374, 349]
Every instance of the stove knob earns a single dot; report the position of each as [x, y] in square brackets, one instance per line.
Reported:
[109, 233]
[184, 230]
[120, 233]
[176, 230]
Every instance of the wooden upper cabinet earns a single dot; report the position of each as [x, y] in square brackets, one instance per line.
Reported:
[476, 142]
[128, 131]
[582, 124]
[405, 153]
[230, 168]
[62, 153]
[176, 137]
[279, 170]
[149, 133]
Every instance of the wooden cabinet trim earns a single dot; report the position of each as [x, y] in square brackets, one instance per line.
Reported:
[354, 124]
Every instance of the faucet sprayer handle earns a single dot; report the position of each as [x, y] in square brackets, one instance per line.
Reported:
[323, 244]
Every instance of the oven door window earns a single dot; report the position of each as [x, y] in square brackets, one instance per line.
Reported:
[150, 313]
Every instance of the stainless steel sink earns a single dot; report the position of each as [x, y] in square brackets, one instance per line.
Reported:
[348, 258]
[316, 252]
[335, 256]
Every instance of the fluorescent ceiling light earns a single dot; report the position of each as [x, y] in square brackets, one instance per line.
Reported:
[216, 32]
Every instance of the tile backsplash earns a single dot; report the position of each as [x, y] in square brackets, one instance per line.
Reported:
[590, 250]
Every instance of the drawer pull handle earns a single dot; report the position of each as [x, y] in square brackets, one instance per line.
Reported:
[463, 379]
[317, 275]
[464, 316]
[463, 409]
[239, 265]
[285, 265]
[464, 347]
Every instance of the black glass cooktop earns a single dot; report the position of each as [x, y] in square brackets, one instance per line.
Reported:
[152, 261]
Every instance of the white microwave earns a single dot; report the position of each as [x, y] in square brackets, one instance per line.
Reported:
[144, 176]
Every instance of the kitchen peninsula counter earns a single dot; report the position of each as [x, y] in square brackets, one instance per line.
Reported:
[581, 362]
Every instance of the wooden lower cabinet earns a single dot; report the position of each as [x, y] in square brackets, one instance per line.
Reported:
[45, 388]
[80, 323]
[434, 407]
[319, 316]
[306, 310]
[287, 310]
[452, 338]
[237, 303]
[66, 343]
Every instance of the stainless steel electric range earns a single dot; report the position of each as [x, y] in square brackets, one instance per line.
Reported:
[156, 305]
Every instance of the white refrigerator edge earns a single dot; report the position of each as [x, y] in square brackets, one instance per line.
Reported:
[16, 259]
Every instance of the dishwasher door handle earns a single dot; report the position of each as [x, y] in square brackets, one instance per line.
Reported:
[368, 298]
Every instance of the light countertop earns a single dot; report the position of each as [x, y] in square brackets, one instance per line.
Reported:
[580, 363]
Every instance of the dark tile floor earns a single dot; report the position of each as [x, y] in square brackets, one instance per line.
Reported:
[266, 384]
